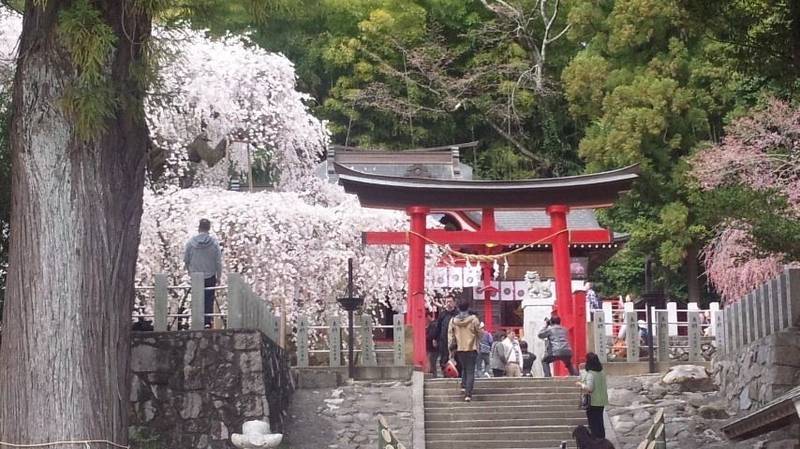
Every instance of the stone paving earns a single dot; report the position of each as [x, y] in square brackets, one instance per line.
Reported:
[347, 417]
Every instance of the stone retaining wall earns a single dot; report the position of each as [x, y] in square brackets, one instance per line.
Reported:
[756, 373]
[192, 389]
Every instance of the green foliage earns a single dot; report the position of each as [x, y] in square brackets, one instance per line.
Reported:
[649, 95]
[91, 42]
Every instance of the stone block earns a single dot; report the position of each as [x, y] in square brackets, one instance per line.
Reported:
[191, 405]
[144, 358]
[253, 383]
[246, 341]
[225, 381]
[317, 378]
[784, 375]
[191, 380]
[250, 362]
[190, 352]
[250, 406]
[158, 378]
[713, 412]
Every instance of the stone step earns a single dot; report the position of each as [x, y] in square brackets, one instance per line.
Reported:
[506, 398]
[502, 444]
[478, 413]
[532, 433]
[503, 382]
[492, 389]
[514, 420]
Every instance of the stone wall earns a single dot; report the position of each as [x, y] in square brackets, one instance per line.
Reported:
[193, 389]
[758, 372]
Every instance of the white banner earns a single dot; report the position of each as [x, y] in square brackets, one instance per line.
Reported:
[440, 277]
[496, 291]
[507, 291]
[520, 290]
[472, 277]
[456, 276]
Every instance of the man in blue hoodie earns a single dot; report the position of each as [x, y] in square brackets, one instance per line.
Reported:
[203, 255]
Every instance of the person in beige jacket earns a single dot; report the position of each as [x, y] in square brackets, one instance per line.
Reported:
[463, 334]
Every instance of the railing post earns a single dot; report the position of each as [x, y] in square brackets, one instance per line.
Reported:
[399, 332]
[793, 295]
[752, 311]
[268, 323]
[730, 338]
[672, 316]
[302, 342]
[276, 328]
[758, 319]
[780, 284]
[738, 329]
[608, 315]
[235, 301]
[198, 301]
[713, 307]
[334, 341]
[632, 336]
[747, 319]
[695, 352]
[772, 307]
[161, 307]
[719, 329]
[662, 325]
[367, 344]
[600, 339]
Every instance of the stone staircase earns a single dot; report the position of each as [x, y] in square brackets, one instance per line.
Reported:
[505, 413]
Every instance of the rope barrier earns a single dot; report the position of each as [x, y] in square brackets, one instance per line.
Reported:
[55, 443]
[485, 257]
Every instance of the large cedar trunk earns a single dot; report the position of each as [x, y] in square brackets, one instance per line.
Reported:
[693, 273]
[75, 214]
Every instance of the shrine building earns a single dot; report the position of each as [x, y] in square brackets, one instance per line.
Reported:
[495, 231]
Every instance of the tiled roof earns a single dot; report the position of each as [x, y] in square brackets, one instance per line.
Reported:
[522, 220]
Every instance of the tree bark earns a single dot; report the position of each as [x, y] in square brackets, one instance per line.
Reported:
[693, 273]
[75, 213]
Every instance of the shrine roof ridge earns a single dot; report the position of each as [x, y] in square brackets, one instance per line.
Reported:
[581, 191]
[443, 148]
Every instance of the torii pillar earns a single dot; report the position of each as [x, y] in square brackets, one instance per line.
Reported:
[416, 281]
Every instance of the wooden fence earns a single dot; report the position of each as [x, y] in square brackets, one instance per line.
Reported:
[772, 307]
[656, 437]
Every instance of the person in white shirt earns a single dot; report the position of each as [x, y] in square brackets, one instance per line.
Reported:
[513, 355]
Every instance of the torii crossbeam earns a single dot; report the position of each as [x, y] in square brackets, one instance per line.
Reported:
[418, 197]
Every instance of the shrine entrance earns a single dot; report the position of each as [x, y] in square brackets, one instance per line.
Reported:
[419, 197]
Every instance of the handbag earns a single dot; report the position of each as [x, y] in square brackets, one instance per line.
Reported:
[586, 401]
[450, 369]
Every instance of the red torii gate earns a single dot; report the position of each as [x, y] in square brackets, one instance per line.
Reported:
[418, 197]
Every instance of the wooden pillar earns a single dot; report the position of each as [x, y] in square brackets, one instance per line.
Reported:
[488, 318]
[560, 242]
[416, 282]
[487, 224]
[558, 224]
